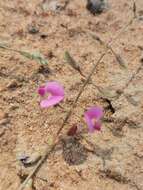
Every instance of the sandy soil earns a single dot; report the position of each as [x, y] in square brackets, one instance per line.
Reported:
[25, 128]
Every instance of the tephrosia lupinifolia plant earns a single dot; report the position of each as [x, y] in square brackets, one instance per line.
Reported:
[52, 93]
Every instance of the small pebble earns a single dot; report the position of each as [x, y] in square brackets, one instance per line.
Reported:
[2, 132]
[2, 88]
[54, 5]
[44, 69]
[96, 6]
[13, 84]
[4, 120]
[43, 36]
[29, 160]
[3, 115]
[33, 29]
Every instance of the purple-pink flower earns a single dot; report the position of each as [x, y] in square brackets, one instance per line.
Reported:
[93, 118]
[55, 91]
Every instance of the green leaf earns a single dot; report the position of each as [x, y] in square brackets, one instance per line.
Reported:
[35, 56]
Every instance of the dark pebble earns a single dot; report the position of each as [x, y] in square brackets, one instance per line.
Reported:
[44, 69]
[43, 36]
[33, 29]
[96, 6]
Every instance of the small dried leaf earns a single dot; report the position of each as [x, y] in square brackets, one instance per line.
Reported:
[134, 9]
[131, 100]
[121, 61]
[72, 62]
[72, 131]
[26, 54]
[108, 92]
[50, 141]
[97, 38]
[2, 45]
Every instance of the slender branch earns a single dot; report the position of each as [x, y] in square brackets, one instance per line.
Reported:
[132, 78]
[108, 46]
[80, 91]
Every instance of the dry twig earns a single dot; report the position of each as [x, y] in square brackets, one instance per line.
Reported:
[108, 46]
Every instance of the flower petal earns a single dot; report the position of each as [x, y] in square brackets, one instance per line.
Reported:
[55, 88]
[89, 123]
[53, 100]
[42, 91]
[95, 112]
[92, 117]
[56, 94]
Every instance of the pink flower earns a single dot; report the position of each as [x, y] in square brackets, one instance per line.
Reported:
[93, 118]
[56, 92]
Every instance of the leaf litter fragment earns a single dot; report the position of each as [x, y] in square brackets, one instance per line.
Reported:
[120, 60]
[73, 63]
[134, 9]
[109, 93]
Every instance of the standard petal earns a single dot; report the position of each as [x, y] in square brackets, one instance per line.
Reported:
[89, 123]
[92, 117]
[55, 94]
[55, 88]
[53, 100]
[95, 112]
